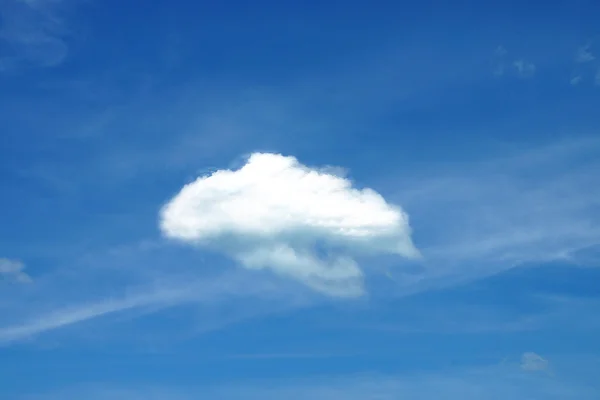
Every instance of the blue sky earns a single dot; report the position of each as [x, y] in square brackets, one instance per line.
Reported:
[302, 200]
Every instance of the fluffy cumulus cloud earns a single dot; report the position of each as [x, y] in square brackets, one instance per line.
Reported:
[300, 222]
[13, 270]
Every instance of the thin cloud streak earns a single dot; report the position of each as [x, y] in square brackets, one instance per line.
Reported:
[35, 32]
[251, 296]
[485, 217]
[81, 313]
[534, 206]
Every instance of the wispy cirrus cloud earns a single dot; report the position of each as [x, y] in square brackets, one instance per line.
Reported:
[83, 312]
[504, 64]
[13, 270]
[33, 32]
[467, 221]
[586, 65]
[540, 205]
[147, 277]
[584, 54]
[471, 221]
[249, 295]
[525, 69]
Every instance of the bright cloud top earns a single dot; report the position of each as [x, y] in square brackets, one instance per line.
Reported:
[300, 222]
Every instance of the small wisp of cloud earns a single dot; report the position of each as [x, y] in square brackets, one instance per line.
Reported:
[586, 66]
[500, 51]
[525, 69]
[13, 270]
[584, 54]
[35, 32]
[533, 362]
[501, 65]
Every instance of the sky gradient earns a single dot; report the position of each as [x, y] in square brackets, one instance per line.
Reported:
[301, 200]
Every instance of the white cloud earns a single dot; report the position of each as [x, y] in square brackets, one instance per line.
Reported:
[13, 269]
[576, 80]
[584, 54]
[533, 362]
[277, 213]
[524, 68]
